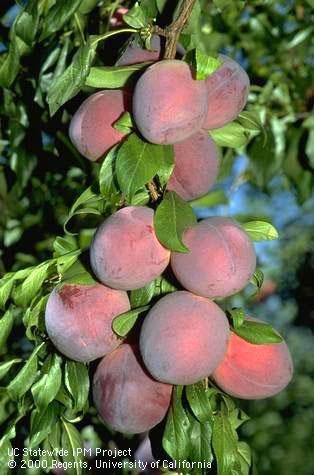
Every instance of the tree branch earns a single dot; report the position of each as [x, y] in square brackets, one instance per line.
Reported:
[172, 32]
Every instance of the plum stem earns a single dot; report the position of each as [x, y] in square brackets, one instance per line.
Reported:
[151, 185]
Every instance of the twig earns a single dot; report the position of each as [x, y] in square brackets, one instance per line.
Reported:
[172, 32]
[151, 185]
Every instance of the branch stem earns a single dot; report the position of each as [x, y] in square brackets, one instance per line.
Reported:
[152, 188]
[173, 31]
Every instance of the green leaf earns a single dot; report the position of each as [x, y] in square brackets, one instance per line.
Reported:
[192, 26]
[257, 279]
[58, 15]
[87, 197]
[71, 441]
[301, 178]
[22, 35]
[252, 120]
[260, 231]
[77, 213]
[138, 162]
[114, 77]
[299, 38]
[55, 436]
[77, 382]
[32, 284]
[123, 323]
[237, 418]
[232, 135]
[213, 198]
[166, 286]
[136, 17]
[78, 274]
[25, 377]
[7, 365]
[48, 454]
[204, 65]
[225, 445]
[168, 162]
[245, 457]
[198, 399]
[237, 315]
[90, 200]
[309, 121]
[66, 400]
[6, 325]
[200, 446]
[141, 198]
[176, 436]
[11, 65]
[33, 319]
[161, 5]
[47, 387]
[5, 450]
[149, 8]
[264, 161]
[64, 245]
[108, 184]
[66, 261]
[257, 333]
[19, 275]
[26, 24]
[42, 423]
[72, 79]
[142, 296]
[310, 148]
[6, 287]
[125, 123]
[222, 4]
[172, 218]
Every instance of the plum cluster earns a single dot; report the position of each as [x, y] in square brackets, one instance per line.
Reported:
[169, 107]
[185, 336]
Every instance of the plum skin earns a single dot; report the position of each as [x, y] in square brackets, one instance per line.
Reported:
[250, 371]
[134, 54]
[221, 258]
[228, 88]
[91, 130]
[125, 253]
[196, 166]
[183, 338]
[169, 105]
[126, 397]
[79, 318]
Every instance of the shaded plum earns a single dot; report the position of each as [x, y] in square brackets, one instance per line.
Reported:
[169, 105]
[125, 253]
[126, 397]
[134, 54]
[221, 259]
[196, 166]
[228, 90]
[251, 371]
[91, 129]
[183, 338]
[79, 318]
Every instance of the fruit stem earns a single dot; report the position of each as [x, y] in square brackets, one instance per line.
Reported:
[151, 185]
